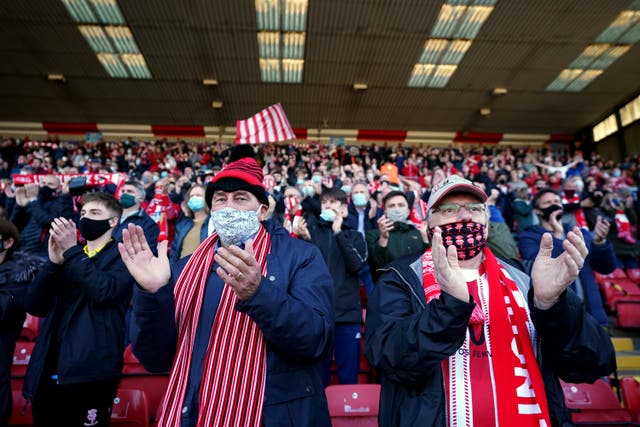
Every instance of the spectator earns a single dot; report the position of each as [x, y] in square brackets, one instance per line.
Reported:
[523, 210]
[547, 205]
[192, 229]
[278, 298]
[623, 217]
[131, 200]
[35, 209]
[16, 271]
[82, 293]
[456, 309]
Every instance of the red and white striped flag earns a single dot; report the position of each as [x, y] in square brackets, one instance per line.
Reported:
[269, 125]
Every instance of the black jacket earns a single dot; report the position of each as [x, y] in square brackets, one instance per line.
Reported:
[345, 254]
[15, 275]
[407, 339]
[149, 226]
[84, 302]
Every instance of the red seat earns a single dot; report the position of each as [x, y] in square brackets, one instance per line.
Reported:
[594, 403]
[30, 328]
[17, 418]
[153, 385]
[21, 358]
[353, 404]
[131, 363]
[630, 389]
[130, 409]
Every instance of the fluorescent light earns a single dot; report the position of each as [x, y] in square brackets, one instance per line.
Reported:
[292, 70]
[605, 128]
[625, 20]
[583, 80]
[122, 38]
[455, 52]
[589, 55]
[268, 15]
[420, 75]
[499, 91]
[293, 45]
[217, 104]
[565, 77]
[136, 65]
[447, 21]
[56, 77]
[632, 35]
[433, 49]
[269, 44]
[485, 112]
[80, 11]
[210, 82]
[472, 21]
[360, 87]
[108, 11]
[441, 75]
[609, 57]
[96, 38]
[270, 70]
[113, 65]
[295, 15]
[630, 112]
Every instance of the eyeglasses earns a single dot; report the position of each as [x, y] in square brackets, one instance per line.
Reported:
[449, 210]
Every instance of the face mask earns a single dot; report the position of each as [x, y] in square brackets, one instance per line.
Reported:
[467, 237]
[46, 193]
[346, 189]
[91, 229]
[359, 199]
[307, 191]
[397, 214]
[328, 215]
[316, 179]
[300, 181]
[164, 174]
[370, 176]
[127, 200]
[569, 193]
[546, 212]
[616, 173]
[155, 178]
[196, 203]
[234, 226]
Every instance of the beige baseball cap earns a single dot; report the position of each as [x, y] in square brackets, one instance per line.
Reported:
[454, 184]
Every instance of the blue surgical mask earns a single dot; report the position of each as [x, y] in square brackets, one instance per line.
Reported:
[328, 215]
[317, 179]
[360, 199]
[300, 181]
[164, 174]
[346, 189]
[307, 190]
[196, 203]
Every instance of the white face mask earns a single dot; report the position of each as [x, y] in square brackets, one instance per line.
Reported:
[397, 214]
[235, 226]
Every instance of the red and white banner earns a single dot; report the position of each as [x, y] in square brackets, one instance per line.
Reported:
[93, 179]
[269, 125]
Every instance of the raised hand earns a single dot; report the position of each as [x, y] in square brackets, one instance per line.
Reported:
[446, 268]
[551, 276]
[149, 271]
[239, 269]
[55, 253]
[600, 231]
[64, 232]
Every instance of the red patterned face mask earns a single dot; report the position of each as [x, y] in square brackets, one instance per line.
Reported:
[467, 237]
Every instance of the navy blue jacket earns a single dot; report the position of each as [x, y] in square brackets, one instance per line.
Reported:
[407, 340]
[83, 302]
[149, 227]
[39, 214]
[601, 259]
[182, 228]
[293, 307]
[369, 224]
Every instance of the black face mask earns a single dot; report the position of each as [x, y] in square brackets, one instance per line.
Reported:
[91, 229]
[546, 212]
[47, 193]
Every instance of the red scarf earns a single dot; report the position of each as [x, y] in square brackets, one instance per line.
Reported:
[235, 366]
[581, 221]
[517, 382]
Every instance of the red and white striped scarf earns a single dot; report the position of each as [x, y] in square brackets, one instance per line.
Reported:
[516, 378]
[235, 366]
[581, 220]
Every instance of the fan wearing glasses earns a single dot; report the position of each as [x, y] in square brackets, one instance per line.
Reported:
[457, 333]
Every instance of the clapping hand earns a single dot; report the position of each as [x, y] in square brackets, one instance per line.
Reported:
[446, 268]
[149, 271]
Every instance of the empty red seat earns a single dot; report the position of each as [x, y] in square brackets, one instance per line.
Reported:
[130, 409]
[19, 402]
[153, 385]
[21, 358]
[594, 403]
[630, 389]
[30, 328]
[353, 404]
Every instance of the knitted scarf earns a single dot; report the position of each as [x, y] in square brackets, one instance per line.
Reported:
[578, 214]
[518, 389]
[233, 376]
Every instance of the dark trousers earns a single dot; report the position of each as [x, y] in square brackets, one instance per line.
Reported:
[346, 347]
[81, 405]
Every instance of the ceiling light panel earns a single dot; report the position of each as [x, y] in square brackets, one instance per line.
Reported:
[108, 12]
[448, 20]
[630, 112]
[566, 76]
[625, 21]
[292, 70]
[97, 39]
[631, 36]
[455, 52]
[122, 38]
[295, 15]
[136, 65]
[420, 75]
[268, 15]
[112, 64]
[472, 21]
[441, 75]
[270, 70]
[269, 44]
[583, 80]
[605, 128]
[589, 55]
[433, 49]
[80, 11]
[293, 45]
[609, 57]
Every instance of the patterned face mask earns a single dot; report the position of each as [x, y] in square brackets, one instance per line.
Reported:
[235, 226]
[467, 237]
